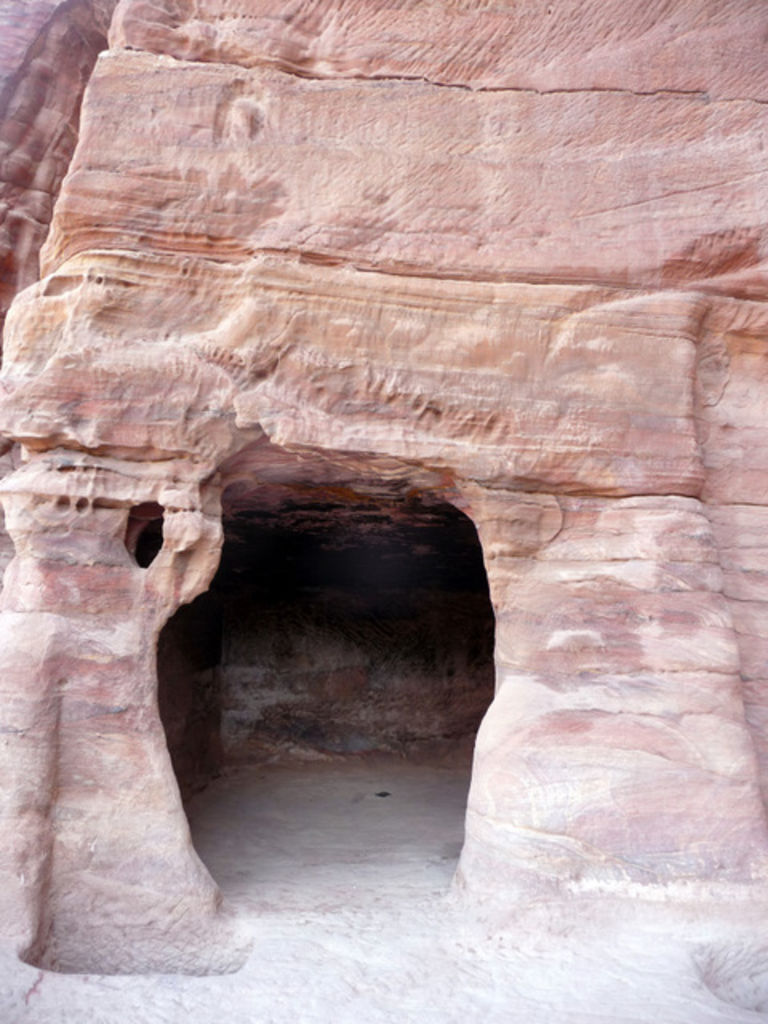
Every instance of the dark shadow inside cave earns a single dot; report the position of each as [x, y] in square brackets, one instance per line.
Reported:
[144, 533]
[342, 628]
[336, 625]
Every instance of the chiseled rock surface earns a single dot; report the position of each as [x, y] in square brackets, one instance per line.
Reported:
[489, 381]
[415, 177]
[482, 44]
[81, 731]
[512, 256]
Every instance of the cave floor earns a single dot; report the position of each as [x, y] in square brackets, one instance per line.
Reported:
[324, 836]
[348, 896]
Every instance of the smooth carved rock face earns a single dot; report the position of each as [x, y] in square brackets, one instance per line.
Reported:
[332, 254]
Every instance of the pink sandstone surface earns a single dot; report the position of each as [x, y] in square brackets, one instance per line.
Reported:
[508, 257]
[47, 52]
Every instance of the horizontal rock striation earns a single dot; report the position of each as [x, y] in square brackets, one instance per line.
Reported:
[508, 257]
[473, 43]
[412, 178]
[47, 51]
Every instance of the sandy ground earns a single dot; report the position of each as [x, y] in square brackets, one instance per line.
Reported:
[348, 895]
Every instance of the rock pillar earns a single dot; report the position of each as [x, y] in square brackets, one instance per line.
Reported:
[615, 756]
[96, 863]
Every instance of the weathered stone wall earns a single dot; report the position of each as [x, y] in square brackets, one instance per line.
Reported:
[732, 399]
[618, 726]
[47, 52]
[525, 276]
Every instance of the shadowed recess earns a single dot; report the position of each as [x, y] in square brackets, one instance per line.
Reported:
[339, 624]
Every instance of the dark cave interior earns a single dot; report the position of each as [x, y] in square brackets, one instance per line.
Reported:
[340, 623]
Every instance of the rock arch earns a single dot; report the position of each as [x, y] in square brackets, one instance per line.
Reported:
[590, 413]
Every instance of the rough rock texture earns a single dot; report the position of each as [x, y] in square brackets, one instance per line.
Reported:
[483, 44]
[618, 725]
[732, 400]
[508, 257]
[47, 52]
[415, 177]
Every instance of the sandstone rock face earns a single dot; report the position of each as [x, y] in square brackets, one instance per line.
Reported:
[47, 52]
[507, 184]
[480, 44]
[617, 663]
[506, 257]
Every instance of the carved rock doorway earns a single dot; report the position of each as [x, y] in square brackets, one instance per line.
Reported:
[344, 652]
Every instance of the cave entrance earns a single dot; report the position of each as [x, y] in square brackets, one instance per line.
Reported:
[321, 700]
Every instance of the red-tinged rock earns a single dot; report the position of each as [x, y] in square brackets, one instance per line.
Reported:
[414, 178]
[538, 45]
[47, 51]
[490, 381]
[586, 761]
[321, 269]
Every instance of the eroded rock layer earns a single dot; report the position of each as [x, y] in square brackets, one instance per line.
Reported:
[504, 258]
[480, 44]
[410, 176]
[47, 52]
